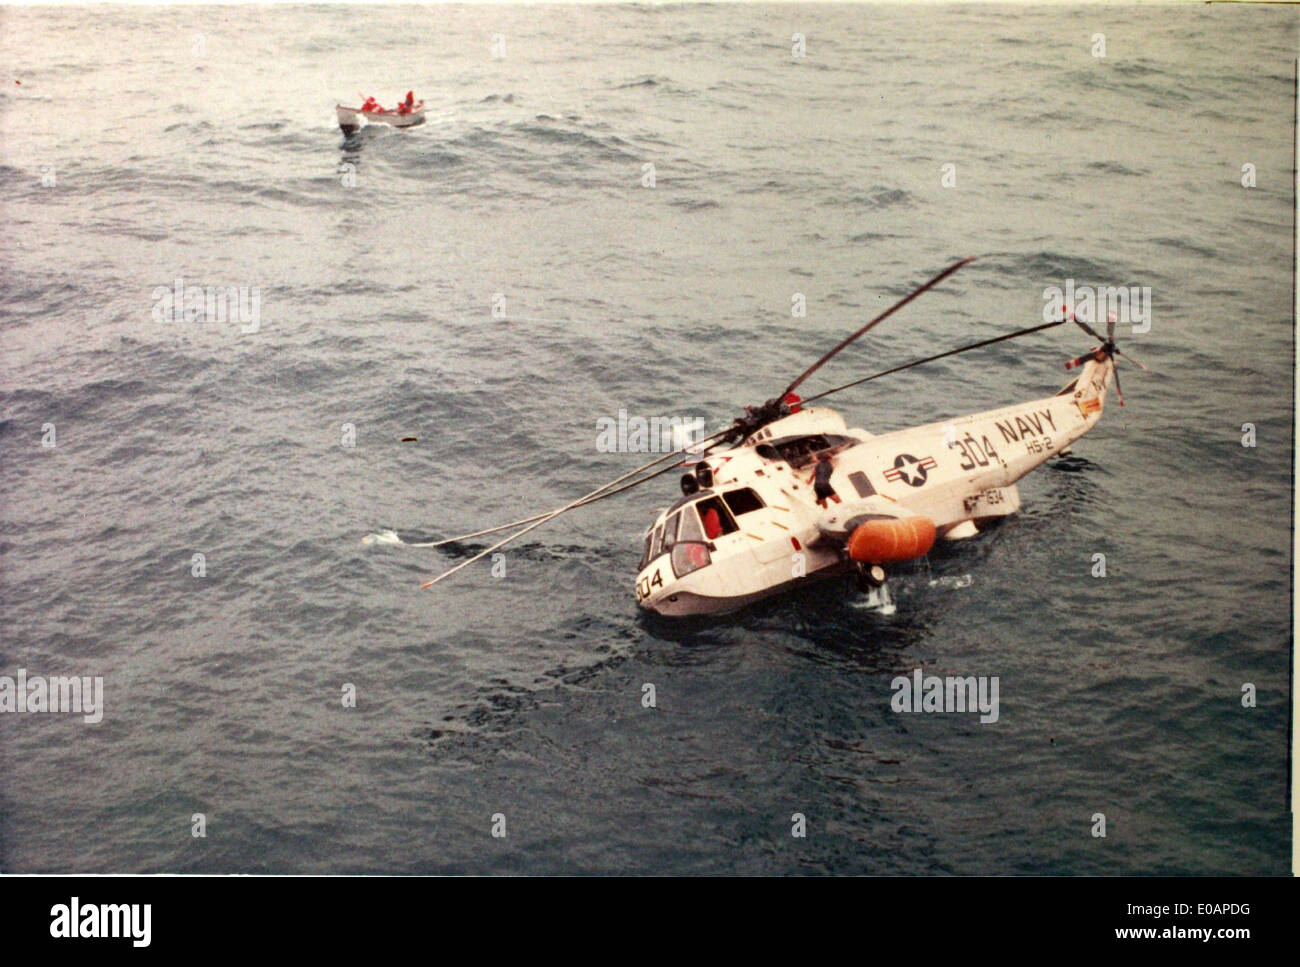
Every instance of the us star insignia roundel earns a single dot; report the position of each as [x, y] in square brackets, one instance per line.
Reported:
[910, 470]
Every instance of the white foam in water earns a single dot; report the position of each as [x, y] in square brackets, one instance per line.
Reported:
[865, 604]
[392, 539]
[961, 581]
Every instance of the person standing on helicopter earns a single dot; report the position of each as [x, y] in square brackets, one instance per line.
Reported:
[822, 488]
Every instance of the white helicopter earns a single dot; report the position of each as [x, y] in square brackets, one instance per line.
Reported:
[797, 495]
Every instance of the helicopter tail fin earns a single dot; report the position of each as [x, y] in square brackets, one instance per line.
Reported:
[1088, 391]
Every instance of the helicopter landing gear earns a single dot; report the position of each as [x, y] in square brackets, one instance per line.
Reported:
[871, 579]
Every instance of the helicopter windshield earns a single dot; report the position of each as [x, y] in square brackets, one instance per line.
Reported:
[696, 522]
[690, 529]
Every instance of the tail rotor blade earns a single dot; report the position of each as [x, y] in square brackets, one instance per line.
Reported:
[1087, 328]
[1080, 360]
[1136, 362]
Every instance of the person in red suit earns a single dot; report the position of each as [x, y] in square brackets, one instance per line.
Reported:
[712, 525]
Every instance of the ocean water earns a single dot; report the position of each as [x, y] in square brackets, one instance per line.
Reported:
[141, 146]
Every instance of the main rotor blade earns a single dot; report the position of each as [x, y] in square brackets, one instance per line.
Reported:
[585, 498]
[880, 318]
[528, 520]
[930, 359]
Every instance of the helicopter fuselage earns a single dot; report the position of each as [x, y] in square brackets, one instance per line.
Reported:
[755, 527]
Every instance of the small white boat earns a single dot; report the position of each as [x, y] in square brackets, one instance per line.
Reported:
[351, 118]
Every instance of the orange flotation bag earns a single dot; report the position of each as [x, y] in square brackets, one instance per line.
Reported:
[886, 540]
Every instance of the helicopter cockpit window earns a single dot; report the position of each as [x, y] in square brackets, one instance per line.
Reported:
[800, 450]
[656, 543]
[690, 529]
[715, 517]
[649, 542]
[670, 530]
[743, 501]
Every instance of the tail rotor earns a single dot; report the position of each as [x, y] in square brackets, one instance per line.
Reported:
[1106, 348]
